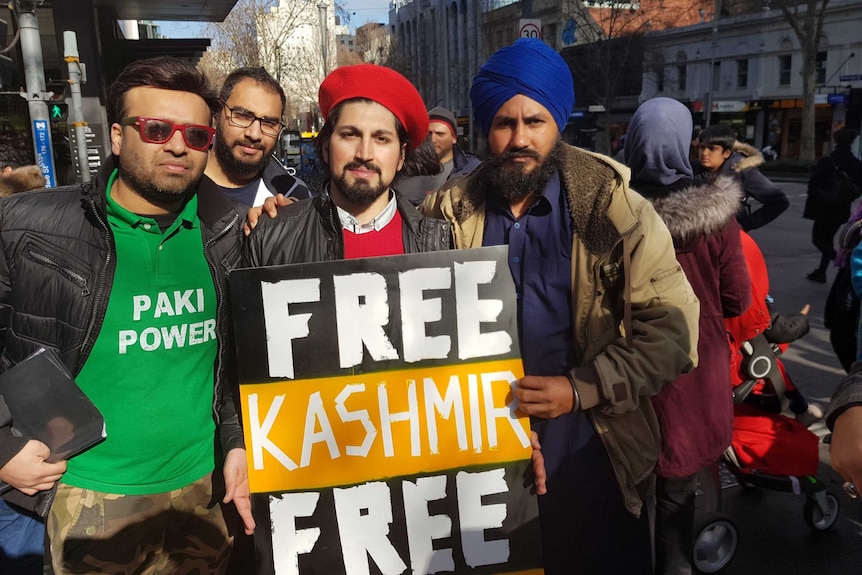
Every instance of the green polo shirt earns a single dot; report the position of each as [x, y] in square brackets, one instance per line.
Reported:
[151, 369]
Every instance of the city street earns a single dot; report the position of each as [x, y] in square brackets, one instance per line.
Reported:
[773, 535]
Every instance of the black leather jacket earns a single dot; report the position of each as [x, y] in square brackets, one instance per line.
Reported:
[310, 231]
[56, 274]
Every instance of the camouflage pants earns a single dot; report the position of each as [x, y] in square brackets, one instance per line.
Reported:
[181, 532]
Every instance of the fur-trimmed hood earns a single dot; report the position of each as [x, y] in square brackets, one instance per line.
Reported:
[695, 208]
[744, 157]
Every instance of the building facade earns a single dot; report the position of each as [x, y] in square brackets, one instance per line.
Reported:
[744, 71]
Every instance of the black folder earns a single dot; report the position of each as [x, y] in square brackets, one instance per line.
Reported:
[46, 404]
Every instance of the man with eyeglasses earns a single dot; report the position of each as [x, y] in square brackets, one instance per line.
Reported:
[125, 278]
[248, 126]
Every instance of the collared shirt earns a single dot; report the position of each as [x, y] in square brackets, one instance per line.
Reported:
[349, 223]
[540, 260]
[151, 369]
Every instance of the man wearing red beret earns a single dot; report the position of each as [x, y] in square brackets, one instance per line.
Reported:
[374, 117]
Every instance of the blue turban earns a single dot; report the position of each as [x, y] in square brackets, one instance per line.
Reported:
[528, 67]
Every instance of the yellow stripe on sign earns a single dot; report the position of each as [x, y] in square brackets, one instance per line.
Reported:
[311, 434]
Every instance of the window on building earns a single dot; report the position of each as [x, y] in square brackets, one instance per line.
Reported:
[549, 34]
[659, 81]
[784, 63]
[681, 78]
[742, 73]
[820, 66]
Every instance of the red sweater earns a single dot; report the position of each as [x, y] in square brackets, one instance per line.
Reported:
[386, 242]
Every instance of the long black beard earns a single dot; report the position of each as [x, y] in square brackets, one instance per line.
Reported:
[360, 193]
[224, 152]
[513, 183]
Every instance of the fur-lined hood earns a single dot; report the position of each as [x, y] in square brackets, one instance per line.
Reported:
[696, 208]
[744, 157]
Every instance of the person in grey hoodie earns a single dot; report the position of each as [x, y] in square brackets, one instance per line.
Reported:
[696, 410]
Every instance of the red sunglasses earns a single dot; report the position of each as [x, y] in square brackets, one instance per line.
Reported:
[157, 131]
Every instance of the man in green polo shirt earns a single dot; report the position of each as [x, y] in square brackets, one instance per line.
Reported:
[125, 277]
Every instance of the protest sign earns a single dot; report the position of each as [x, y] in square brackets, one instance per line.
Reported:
[378, 411]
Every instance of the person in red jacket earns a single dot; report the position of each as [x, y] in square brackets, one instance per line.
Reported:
[760, 317]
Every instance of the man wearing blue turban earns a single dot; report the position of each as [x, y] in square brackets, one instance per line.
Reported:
[606, 315]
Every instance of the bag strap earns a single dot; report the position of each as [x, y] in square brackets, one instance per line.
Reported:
[850, 234]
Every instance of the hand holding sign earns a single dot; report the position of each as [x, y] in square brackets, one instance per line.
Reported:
[545, 397]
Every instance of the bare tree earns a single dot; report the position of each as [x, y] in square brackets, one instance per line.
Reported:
[806, 20]
[609, 49]
[283, 37]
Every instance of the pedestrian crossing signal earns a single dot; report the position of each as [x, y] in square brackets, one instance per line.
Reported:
[58, 112]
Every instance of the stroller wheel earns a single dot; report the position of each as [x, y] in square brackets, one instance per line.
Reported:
[715, 543]
[821, 511]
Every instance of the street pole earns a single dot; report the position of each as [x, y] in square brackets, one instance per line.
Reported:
[707, 112]
[324, 33]
[34, 80]
[76, 111]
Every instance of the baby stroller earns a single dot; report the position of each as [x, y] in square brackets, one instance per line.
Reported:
[769, 450]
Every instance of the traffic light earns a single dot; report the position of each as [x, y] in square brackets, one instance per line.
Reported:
[58, 111]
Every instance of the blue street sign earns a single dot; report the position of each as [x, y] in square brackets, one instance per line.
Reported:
[837, 98]
[850, 78]
[44, 155]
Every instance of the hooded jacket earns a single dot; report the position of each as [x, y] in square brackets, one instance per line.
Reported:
[463, 163]
[743, 163]
[56, 274]
[633, 311]
[696, 410]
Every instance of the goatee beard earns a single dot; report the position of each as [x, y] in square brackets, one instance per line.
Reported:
[510, 182]
[361, 192]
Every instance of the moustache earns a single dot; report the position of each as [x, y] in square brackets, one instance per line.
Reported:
[247, 144]
[363, 166]
[511, 155]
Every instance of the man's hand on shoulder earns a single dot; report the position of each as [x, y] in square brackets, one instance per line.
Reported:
[270, 207]
[28, 472]
[545, 396]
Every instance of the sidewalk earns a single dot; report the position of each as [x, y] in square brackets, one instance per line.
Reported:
[798, 177]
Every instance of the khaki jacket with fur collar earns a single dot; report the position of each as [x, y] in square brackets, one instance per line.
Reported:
[634, 312]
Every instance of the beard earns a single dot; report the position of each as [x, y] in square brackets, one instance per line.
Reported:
[360, 192]
[510, 182]
[165, 191]
[242, 166]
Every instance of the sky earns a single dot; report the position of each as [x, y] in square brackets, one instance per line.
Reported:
[361, 12]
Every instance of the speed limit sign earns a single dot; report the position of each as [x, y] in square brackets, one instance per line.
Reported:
[530, 28]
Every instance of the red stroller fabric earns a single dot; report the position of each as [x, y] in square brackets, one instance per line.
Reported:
[772, 443]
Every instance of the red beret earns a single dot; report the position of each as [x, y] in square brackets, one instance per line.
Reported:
[382, 85]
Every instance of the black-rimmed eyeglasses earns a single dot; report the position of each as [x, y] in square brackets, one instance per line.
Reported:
[158, 131]
[242, 118]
